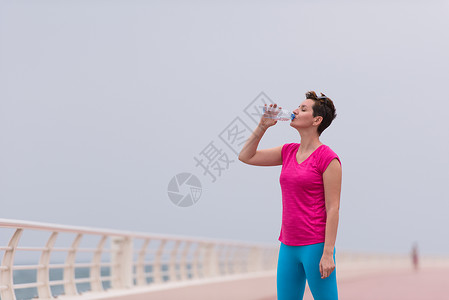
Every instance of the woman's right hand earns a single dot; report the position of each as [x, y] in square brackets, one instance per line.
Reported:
[272, 111]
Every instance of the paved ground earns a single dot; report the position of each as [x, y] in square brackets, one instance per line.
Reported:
[425, 284]
[234, 287]
[400, 285]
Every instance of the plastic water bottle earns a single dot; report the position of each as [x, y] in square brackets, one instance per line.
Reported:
[277, 113]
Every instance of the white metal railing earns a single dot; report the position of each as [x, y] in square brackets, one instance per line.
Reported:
[72, 260]
[117, 260]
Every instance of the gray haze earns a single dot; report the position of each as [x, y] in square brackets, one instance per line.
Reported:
[103, 102]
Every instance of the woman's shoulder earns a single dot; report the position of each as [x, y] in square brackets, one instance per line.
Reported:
[326, 149]
[325, 152]
[288, 149]
[326, 155]
[290, 145]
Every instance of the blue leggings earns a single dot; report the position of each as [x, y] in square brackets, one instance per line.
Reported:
[295, 264]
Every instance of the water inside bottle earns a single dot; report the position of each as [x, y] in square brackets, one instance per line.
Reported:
[282, 114]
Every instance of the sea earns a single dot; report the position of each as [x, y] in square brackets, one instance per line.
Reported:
[30, 276]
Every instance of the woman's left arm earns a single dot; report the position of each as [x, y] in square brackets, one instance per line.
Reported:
[332, 188]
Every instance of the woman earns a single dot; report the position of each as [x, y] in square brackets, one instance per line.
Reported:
[311, 183]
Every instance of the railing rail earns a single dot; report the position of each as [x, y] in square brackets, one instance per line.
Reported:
[120, 259]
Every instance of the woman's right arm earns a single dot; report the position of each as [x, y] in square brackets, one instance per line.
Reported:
[266, 157]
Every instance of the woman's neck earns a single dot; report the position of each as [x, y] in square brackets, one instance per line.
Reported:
[309, 143]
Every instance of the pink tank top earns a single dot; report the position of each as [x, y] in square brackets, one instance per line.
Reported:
[303, 205]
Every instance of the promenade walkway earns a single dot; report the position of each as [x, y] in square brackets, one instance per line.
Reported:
[428, 283]
[404, 284]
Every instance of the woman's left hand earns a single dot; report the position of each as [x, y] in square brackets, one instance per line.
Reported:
[327, 265]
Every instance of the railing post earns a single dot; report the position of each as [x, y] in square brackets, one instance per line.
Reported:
[228, 268]
[6, 272]
[221, 259]
[255, 260]
[196, 261]
[211, 260]
[184, 272]
[274, 258]
[122, 262]
[69, 270]
[157, 266]
[95, 272]
[237, 261]
[172, 263]
[140, 267]
[43, 274]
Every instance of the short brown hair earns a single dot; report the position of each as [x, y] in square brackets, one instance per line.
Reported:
[324, 107]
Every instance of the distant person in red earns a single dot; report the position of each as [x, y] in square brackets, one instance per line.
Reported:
[415, 256]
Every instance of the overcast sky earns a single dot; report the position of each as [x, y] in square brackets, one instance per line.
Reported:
[104, 102]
